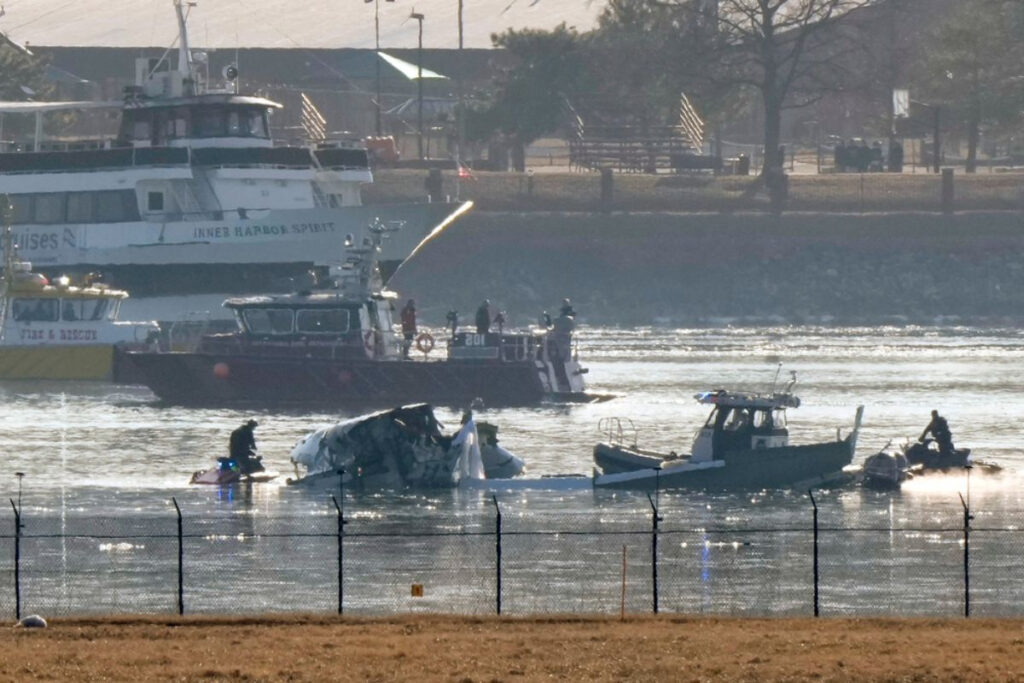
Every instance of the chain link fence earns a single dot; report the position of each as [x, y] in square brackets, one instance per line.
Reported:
[506, 560]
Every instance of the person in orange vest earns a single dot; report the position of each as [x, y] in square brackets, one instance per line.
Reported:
[408, 326]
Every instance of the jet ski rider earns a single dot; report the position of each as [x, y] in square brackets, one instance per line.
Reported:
[939, 429]
[242, 447]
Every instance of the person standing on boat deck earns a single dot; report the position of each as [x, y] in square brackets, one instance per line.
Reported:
[453, 321]
[243, 447]
[939, 429]
[408, 326]
[483, 317]
[561, 332]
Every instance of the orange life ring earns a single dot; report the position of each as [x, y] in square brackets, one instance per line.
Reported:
[425, 343]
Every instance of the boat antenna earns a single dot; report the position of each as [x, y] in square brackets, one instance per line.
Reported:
[184, 54]
[775, 381]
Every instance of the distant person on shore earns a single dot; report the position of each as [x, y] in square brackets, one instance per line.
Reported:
[242, 446]
[483, 317]
[939, 429]
[408, 326]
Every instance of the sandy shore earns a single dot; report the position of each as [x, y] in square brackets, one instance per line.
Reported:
[487, 649]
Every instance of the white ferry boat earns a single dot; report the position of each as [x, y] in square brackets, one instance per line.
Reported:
[57, 330]
[194, 196]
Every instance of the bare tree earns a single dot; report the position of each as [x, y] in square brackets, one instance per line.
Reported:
[790, 51]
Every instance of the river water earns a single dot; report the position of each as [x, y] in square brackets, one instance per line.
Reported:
[97, 456]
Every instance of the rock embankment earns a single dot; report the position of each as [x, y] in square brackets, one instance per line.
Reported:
[637, 269]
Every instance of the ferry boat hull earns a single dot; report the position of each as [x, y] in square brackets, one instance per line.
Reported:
[214, 379]
[265, 251]
[782, 467]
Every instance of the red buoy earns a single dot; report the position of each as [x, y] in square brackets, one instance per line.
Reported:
[221, 370]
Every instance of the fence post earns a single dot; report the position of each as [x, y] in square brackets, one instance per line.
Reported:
[967, 552]
[17, 561]
[497, 554]
[181, 561]
[655, 518]
[339, 506]
[814, 503]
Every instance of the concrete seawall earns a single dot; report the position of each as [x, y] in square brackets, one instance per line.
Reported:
[640, 269]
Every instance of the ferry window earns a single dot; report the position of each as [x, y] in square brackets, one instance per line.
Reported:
[34, 310]
[79, 207]
[210, 123]
[22, 204]
[257, 125]
[155, 201]
[322, 321]
[234, 125]
[114, 206]
[49, 207]
[141, 130]
[268, 320]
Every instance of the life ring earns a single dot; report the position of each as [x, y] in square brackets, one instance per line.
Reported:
[369, 341]
[425, 343]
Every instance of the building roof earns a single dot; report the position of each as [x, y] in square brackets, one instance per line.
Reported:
[260, 23]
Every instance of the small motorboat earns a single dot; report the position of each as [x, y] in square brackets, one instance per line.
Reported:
[743, 444]
[227, 472]
[401, 448]
[886, 470]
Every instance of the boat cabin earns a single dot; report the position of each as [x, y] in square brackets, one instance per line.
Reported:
[742, 421]
[312, 324]
[38, 312]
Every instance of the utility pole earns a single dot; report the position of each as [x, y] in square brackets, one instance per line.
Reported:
[460, 126]
[418, 16]
[376, 56]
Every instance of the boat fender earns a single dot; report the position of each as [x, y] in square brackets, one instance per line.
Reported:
[425, 343]
[368, 341]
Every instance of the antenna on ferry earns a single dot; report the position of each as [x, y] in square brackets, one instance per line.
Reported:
[184, 54]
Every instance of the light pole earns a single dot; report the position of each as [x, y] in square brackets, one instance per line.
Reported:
[460, 130]
[418, 16]
[376, 54]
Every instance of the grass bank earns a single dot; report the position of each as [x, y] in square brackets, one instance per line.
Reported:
[464, 649]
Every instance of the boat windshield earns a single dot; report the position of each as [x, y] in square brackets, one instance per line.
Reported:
[72, 310]
[268, 320]
[34, 310]
[322, 321]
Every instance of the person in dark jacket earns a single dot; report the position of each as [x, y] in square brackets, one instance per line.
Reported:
[939, 429]
[483, 317]
[242, 446]
[408, 326]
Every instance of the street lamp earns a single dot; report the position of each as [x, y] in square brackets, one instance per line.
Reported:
[376, 54]
[418, 16]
